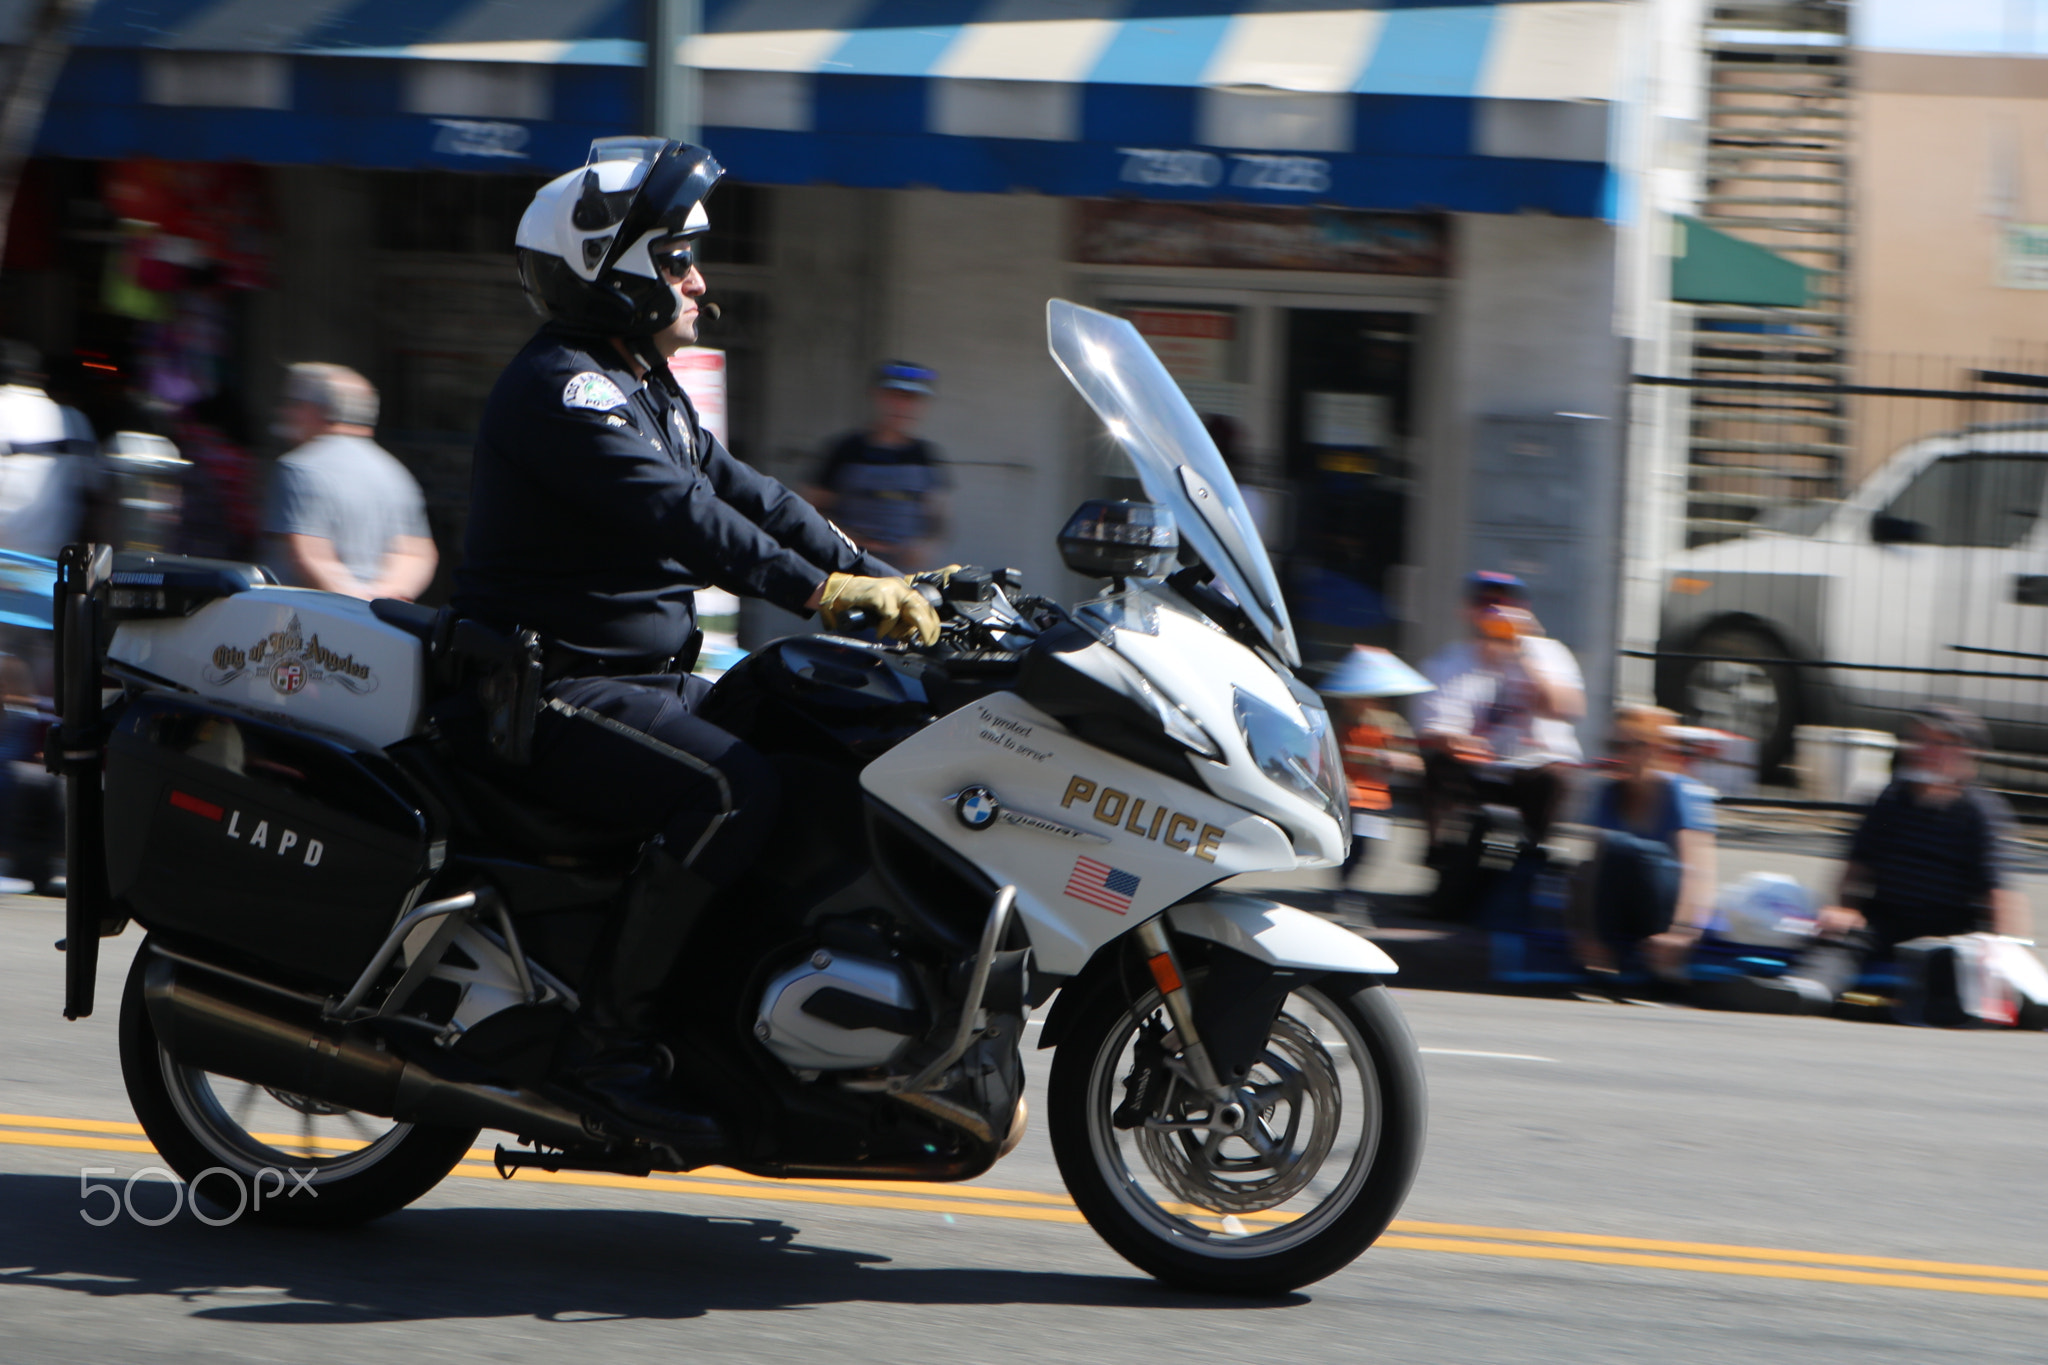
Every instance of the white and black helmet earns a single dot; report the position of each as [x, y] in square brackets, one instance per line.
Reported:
[583, 242]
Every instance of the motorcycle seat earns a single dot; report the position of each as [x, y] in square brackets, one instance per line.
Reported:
[518, 826]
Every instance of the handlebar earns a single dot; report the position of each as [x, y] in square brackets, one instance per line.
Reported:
[971, 602]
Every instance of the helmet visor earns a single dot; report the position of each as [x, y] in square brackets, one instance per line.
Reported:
[678, 180]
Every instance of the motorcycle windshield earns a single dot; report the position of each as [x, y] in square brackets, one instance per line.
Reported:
[1148, 416]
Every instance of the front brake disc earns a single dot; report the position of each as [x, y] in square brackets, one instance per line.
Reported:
[1294, 1104]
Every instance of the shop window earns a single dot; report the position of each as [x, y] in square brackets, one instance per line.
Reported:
[496, 90]
[217, 80]
[1202, 347]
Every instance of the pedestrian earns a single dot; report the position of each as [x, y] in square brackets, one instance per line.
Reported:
[49, 459]
[1930, 859]
[884, 485]
[1378, 748]
[1500, 724]
[343, 514]
[1646, 894]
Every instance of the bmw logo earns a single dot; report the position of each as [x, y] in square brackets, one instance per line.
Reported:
[976, 807]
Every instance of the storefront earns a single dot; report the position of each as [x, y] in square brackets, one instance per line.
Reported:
[1381, 249]
[1305, 372]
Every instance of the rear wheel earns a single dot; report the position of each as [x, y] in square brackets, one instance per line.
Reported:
[284, 1158]
[1331, 1134]
[1754, 692]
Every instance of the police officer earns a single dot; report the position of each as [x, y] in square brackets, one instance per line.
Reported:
[598, 505]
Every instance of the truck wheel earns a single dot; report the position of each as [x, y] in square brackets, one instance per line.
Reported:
[1755, 694]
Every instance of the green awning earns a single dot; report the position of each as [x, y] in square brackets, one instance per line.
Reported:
[1712, 267]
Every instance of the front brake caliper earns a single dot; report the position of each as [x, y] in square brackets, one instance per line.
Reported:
[1143, 1088]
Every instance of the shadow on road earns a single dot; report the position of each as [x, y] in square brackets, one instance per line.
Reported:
[556, 1265]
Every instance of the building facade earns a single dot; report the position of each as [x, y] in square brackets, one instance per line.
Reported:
[1400, 256]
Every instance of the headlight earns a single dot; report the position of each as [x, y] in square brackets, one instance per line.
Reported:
[1298, 750]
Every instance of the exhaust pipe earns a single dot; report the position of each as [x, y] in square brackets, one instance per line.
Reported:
[218, 1028]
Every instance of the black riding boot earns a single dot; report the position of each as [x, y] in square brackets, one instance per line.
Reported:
[613, 1059]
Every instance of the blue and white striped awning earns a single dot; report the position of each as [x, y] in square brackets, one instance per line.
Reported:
[1489, 107]
[1481, 107]
[479, 84]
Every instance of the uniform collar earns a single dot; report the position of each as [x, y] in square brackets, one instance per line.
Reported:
[598, 347]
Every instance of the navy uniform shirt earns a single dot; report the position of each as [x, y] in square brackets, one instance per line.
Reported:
[598, 507]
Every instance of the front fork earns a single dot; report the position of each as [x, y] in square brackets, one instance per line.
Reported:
[1180, 1006]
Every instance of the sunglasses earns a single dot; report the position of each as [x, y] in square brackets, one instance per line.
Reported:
[674, 258]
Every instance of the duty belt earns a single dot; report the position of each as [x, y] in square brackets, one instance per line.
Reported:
[558, 662]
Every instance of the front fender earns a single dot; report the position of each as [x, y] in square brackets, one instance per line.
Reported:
[1277, 935]
[1265, 931]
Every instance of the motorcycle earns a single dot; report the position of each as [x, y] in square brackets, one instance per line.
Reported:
[361, 951]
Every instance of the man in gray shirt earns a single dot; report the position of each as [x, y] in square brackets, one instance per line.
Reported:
[344, 515]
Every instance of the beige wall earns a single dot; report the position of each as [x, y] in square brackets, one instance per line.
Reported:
[1946, 147]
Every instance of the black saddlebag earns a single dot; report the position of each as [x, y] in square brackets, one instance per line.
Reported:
[281, 844]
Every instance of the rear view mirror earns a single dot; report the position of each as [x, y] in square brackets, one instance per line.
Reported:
[1119, 540]
[1889, 530]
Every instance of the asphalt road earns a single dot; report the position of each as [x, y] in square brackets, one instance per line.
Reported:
[1603, 1183]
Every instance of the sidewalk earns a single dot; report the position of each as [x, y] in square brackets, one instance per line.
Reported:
[1437, 956]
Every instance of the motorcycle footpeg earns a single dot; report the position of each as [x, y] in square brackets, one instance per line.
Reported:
[606, 1124]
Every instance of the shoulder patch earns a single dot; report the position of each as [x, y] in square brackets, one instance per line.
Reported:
[593, 391]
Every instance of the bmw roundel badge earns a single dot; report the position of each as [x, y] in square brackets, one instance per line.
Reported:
[976, 807]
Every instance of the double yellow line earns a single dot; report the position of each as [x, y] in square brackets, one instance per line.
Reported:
[977, 1201]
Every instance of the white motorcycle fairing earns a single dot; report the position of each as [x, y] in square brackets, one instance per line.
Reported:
[317, 658]
[1063, 810]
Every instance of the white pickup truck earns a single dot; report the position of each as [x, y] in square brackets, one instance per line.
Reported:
[1932, 575]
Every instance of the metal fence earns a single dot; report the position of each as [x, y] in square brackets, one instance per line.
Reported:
[1850, 550]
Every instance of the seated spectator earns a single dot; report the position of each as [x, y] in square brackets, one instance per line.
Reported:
[1378, 748]
[1647, 891]
[1929, 860]
[1499, 726]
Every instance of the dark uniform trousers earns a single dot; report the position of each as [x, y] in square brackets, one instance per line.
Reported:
[630, 755]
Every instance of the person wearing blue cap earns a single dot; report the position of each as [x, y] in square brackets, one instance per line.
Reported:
[884, 485]
[1500, 725]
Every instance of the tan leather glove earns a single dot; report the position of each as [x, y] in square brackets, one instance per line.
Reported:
[900, 610]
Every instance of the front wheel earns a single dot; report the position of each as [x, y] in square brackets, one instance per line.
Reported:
[274, 1156]
[1330, 1138]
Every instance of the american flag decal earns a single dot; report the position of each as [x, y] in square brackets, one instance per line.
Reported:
[1105, 887]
